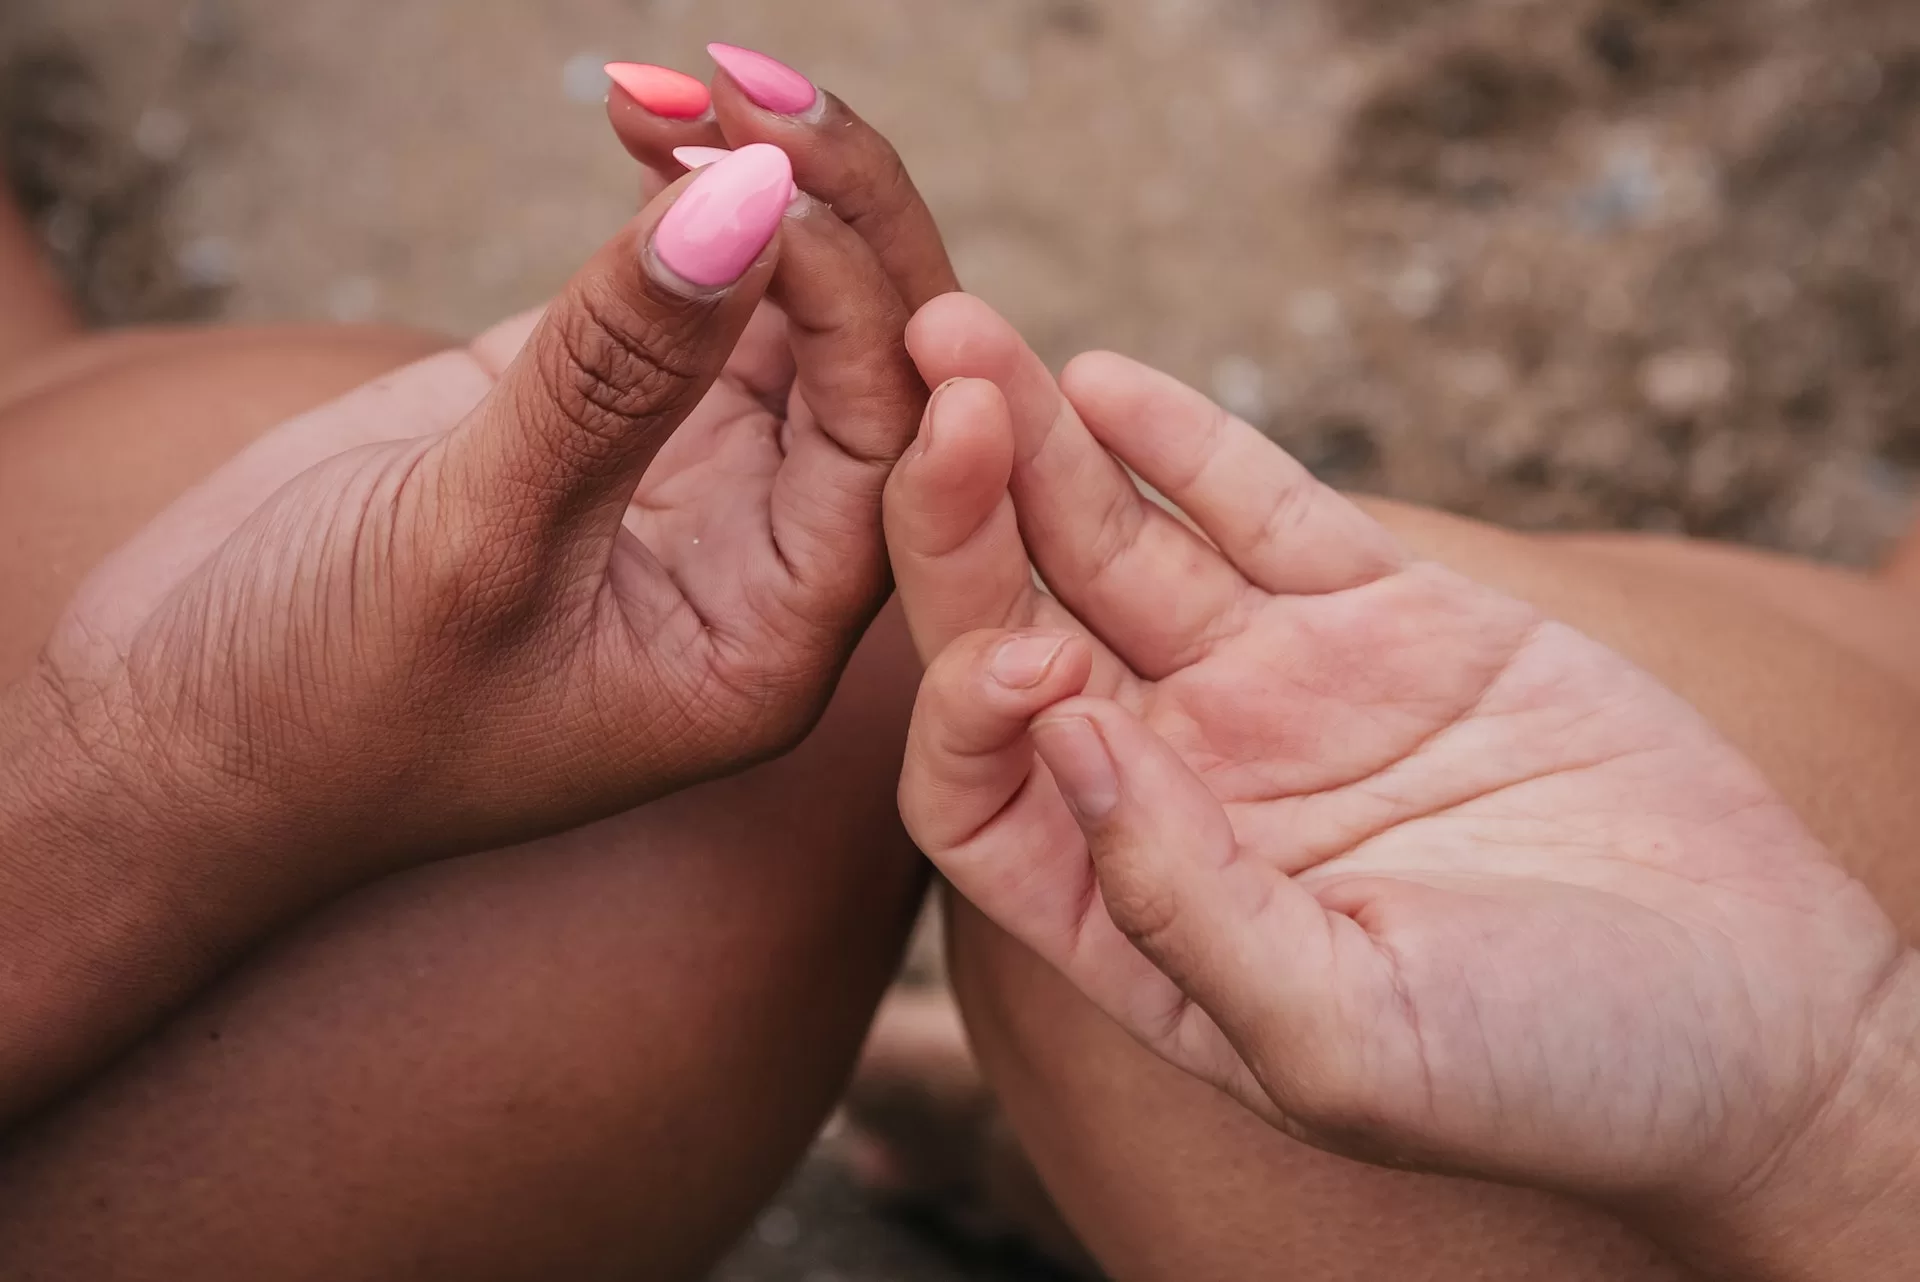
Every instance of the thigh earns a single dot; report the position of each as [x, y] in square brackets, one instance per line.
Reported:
[591, 1058]
[1804, 669]
[98, 435]
[588, 1058]
[37, 315]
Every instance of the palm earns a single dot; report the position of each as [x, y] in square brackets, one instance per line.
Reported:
[1484, 803]
[568, 525]
[690, 484]
[712, 509]
[1425, 817]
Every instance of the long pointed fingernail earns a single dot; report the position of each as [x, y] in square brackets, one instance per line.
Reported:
[726, 216]
[1083, 769]
[662, 90]
[769, 83]
[1023, 662]
[701, 157]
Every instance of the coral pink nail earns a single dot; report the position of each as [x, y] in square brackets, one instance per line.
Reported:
[661, 90]
[773, 85]
[726, 217]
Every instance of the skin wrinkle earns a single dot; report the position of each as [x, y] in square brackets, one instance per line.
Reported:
[810, 933]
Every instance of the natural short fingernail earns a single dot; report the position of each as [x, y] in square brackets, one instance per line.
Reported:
[1082, 767]
[770, 84]
[930, 420]
[1023, 662]
[726, 217]
[662, 90]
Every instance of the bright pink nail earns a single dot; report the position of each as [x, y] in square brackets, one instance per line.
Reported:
[726, 217]
[661, 90]
[701, 157]
[773, 85]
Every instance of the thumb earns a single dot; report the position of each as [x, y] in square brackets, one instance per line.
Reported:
[553, 455]
[1246, 943]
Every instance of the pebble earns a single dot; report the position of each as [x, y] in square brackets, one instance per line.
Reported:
[208, 262]
[1315, 313]
[1686, 382]
[1240, 387]
[160, 134]
[1417, 291]
[354, 300]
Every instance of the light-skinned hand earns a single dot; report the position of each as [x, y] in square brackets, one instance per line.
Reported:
[1413, 872]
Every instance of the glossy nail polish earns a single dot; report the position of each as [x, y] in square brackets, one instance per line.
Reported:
[726, 217]
[700, 157]
[661, 90]
[773, 85]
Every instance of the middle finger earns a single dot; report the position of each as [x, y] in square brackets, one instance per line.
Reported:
[839, 158]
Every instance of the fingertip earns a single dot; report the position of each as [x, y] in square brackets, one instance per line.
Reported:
[723, 220]
[1080, 707]
[968, 417]
[958, 335]
[1149, 778]
[968, 751]
[1092, 374]
[987, 687]
[1107, 387]
[935, 311]
[1039, 667]
[956, 472]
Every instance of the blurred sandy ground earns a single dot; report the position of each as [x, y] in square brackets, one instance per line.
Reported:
[1108, 173]
[1629, 263]
[1643, 263]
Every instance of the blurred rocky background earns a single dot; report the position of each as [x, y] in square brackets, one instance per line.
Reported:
[1557, 263]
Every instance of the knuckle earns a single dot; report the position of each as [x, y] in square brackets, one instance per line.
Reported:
[884, 194]
[611, 365]
[1331, 1103]
[475, 575]
[1289, 512]
[774, 700]
[1143, 906]
[1117, 530]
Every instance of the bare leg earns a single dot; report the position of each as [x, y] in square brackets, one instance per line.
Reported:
[37, 315]
[591, 1058]
[1903, 568]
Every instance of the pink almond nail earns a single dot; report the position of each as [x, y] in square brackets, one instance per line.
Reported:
[701, 157]
[771, 84]
[726, 216]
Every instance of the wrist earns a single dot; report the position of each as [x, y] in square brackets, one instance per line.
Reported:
[82, 870]
[58, 788]
[1843, 1199]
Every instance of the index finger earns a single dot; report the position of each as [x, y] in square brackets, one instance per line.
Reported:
[838, 158]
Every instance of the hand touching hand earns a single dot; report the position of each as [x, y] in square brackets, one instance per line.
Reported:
[1412, 871]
